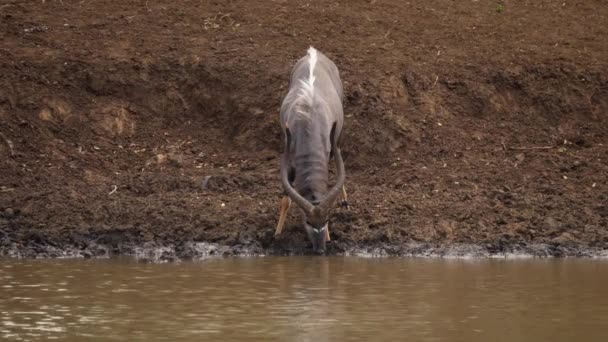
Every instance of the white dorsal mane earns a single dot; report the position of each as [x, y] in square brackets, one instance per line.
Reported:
[312, 61]
[305, 97]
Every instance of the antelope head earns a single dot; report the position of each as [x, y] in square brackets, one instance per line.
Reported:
[315, 214]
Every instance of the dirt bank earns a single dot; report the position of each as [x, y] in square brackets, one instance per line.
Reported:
[473, 123]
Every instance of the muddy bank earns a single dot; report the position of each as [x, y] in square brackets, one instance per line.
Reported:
[192, 251]
[138, 124]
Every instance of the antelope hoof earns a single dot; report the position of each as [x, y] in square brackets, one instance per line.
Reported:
[344, 204]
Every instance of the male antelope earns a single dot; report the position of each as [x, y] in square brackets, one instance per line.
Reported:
[311, 119]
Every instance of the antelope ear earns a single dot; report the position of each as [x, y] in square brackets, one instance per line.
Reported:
[332, 133]
[287, 137]
[333, 144]
[288, 133]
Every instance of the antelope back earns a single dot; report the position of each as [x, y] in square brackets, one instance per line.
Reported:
[313, 105]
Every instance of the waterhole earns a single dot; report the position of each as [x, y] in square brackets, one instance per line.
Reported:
[304, 299]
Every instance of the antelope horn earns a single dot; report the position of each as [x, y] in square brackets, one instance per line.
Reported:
[335, 191]
[291, 192]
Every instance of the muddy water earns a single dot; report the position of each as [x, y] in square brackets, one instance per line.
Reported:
[305, 299]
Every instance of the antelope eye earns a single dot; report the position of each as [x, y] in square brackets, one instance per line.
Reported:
[311, 225]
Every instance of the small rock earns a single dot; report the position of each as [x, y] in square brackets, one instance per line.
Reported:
[161, 158]
[520, 157]
[45, 114]
[552, 223]
[9, 212]
[256, 111]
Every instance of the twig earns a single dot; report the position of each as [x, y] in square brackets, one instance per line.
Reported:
[113, 190]
[435, 83]
[531, 148]
[369, 19]
[387, 45]
[387, 33]
[8, 143]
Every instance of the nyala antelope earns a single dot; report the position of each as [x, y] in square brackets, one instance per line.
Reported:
[311, 120]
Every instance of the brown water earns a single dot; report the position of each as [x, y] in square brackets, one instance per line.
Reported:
[305, 299]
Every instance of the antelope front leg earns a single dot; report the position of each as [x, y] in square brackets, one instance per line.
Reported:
[344, 198]
[285, 203]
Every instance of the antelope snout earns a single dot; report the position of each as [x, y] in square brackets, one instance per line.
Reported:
[318, 245]
[318, 238]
